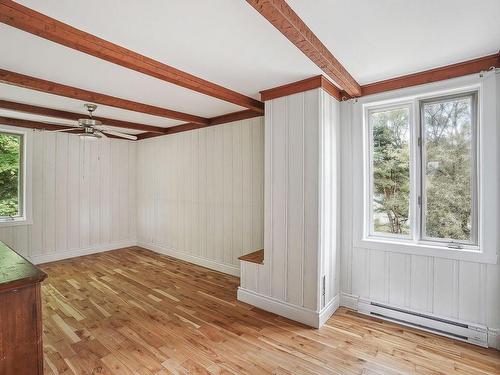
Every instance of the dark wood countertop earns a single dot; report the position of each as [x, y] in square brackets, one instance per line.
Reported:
[15, 271]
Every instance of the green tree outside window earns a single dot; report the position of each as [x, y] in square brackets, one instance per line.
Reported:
[10, 167]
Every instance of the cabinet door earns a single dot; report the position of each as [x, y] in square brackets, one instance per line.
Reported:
[20, 332]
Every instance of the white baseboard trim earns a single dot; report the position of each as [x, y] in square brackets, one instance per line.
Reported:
[349, 300]
[52, 257]
[328, 310]
[297, 313]
[208, 263]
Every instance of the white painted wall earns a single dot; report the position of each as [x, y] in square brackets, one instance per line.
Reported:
[330, 197]
[451, 288]
[200, 194]
[83, 197]
[200, 197]
[300, 208]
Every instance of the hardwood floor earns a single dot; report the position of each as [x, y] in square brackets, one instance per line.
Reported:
[132, 311]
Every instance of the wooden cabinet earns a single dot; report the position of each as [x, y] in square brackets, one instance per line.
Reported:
[21, 350]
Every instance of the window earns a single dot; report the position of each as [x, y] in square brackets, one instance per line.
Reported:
[390, 171]
[449, 204]
[423, 174]
[11, 176]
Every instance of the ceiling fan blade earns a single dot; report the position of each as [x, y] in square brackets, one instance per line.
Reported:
[100, 133]
[66, 129]
[118, 134]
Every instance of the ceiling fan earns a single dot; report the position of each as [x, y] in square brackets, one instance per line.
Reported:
[92, 128]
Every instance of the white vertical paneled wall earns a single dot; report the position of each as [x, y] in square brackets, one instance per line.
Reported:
[449, 288]
[330, 198]
[200, 194]
[83, 197]
[301, 164]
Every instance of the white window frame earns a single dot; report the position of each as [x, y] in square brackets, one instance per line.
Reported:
[474, 242]
[369, 200]
[488, 164]
[25, 217]
[417, 182]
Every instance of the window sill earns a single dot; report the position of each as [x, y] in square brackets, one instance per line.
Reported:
[466, 254]
[15, 222]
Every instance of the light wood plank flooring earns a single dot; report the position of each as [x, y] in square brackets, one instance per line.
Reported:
[132, 311]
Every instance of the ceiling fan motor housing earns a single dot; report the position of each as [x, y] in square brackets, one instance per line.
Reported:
[89, 122]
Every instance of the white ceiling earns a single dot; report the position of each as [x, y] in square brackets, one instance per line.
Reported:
[44, 59]
[223, 41]
[231, 44]
[376, 40]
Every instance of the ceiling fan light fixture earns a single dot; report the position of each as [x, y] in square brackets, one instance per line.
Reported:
[89, 136]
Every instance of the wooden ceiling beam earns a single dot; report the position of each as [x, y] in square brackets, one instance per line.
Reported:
[301, 86]
[30, 124]
[42, 85]
[291, 88]
[26, 19]
[234, 116]
[218, 120]
[282, 17]
[433, 75]
[50, 112]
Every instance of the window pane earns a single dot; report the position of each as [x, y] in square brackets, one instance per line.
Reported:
[10, 167]
[448, 169]
[391, 171]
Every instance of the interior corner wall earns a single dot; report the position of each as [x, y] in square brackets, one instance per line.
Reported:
[200, 194]
[301, 234]
[455, 289]
[330, 201]
[83, 195]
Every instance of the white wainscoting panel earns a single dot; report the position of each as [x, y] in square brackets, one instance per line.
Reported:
[329, 199]
[83, 198]
[450, 288]
[291, 252]
[200, 194]
[301, 209]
